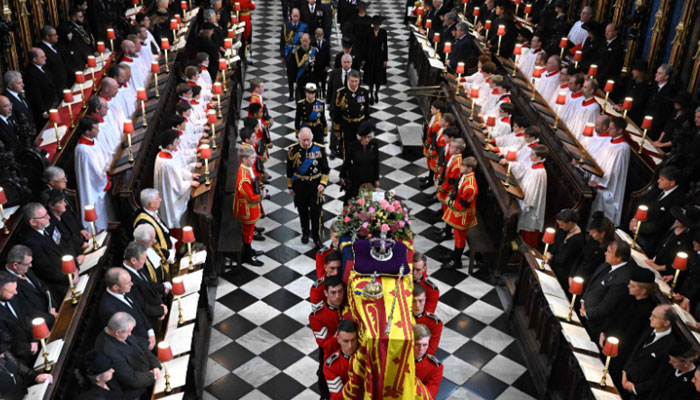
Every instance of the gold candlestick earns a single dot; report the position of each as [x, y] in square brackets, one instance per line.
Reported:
[131, 153]
[636, 233]
[506, 184]
[4, 221]
[515, 66]
[206, 182]
[94, 235]
[498, 52]
[73, 297]
[155, 78]
[189, 255]
[143, 112]
[218, 105]
[605, 371]
[167, 67]
[213, 136]
[58, 139]
[180, 318]
[45, 354]
[544, 256]
[571, 308]
[673, 284]
[168, 389]
[82, 94]
[556, 118]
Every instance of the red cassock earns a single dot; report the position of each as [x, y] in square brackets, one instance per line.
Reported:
[454, 166]
[435, 325]
[246, 7]
[432, 293]
[461, 212]
[335, 370]
[324, 323]
[246, 203]
[429, 371]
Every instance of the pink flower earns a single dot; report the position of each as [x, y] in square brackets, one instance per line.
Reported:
[372, 210]
[396, 204]
[394, 226]
[390, 209]
[384, 204]
[365, 225]
[385, 227]
[360, 202]
[347, 219]
[402, 224]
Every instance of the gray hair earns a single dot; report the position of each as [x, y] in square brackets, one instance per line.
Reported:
[143, 232]
[345, 57]
[120, 321]
[10, 77]
[371, 136]
[134, 250]
[462, 26]
[208, 13]
[354, 74]
[31, 209]
[148, 195]
[668, 69]
[17, 254]
[451, 16]
[52, 172]
[305, 130]
[46, 30]
[697, 110]
[112, 276]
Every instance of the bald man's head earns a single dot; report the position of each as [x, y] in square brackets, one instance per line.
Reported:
[5, 106]
[109, 87]
[128, 48]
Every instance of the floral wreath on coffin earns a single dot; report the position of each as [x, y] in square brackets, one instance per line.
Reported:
[366, 217]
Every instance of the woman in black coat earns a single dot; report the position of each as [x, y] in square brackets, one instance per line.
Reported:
[568, 242]
[95, 376]
[601, 233]
[376, 58]
[361, 162]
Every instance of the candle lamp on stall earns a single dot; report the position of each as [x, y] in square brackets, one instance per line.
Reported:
[487, 27]
[460, 71]
[517, 5]
[165, 45]
[517, 51]
[178, 292]
[183, 6]
[536, 74]
[237, 7]
[563, 42]
[216, 89]
[155, 70]
[576, 289]
[55, 118]
[547, 239]
[205, 153]
[188, 237]
[646, 125]
[609, 351]
[528, 10]
[640, 216]
[500, 32]
[212, 119]
[101, 49]
[475, 13]
[3, 201]
[135, 3]
[510, 157]
[68, 268]
[561, 100]
[428, 25]
[111, 36]
[228, 45]
[490, 123]
[447, 48]
[587, 133]
[41, 332]
[420, 12]
[592, 71]
[165, 354]
[436, 41]
[465, 2]
[474, 94]
[679, 264]
[91, 217]
[173, 27]
[609, 86]
[142, 97]
[92, 64]
[80, 80]
[234, 21]
[222, 69]
[128, 130]
[68, 99]
[626, 106]
[578, 55]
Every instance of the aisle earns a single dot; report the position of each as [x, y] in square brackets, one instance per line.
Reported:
[261, 346]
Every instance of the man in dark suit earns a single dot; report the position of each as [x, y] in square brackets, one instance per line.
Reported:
[135, 368]
[323, 60]
[8, 135]
[659, 104]
[44, 241]
[651, 352]
[337, 79]
[118, 298]
[69, 227]
[317, 15]
[610, 56]
[434, 16]
[607, 287]
[144, 291]
[54, 60]
[659, 204]
[34, 297]
[447, 29]
[463, 49]
[14, 86]
[41, 89]
[13, 320]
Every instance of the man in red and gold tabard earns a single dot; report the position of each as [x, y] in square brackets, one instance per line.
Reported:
[337, 365]
[428, 368]
[449, 173]
[246, 202]
[461, 211]
[431, 131]
[246, 7]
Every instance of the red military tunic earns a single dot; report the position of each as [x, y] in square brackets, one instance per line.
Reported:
[461, 212]
[439, 145]
[317, 296]
[246, 203]
[451, 178]
[321, 261]
[430, 136]
[246, 7]
[435, 325]
[429, 371]
[335, 371]
[324, 323]
[432, 293]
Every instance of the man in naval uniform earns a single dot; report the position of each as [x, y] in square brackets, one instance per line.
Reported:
[311, 113]
[351, 108]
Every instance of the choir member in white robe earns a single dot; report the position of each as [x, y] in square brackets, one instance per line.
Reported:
[110, 88]
[186, 150]
[549, 82]
[526, 62]
[577, 35]
[496, 93]
[146, 52]
[109, 136]
[184, 92]
[574, 97]
[129, 52]
[502, 127]
[477, 78]
[126, 95]
[172, 180]
[91, 169]
[514, 142]
[599, 143]
[205, 78]
[615, 162]
[522, 162]
[149, 40]
[563, 87]
[532, 206]
[484, 89]
[197, 132]
[587, 112]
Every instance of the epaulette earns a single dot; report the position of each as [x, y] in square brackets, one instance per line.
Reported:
[330, 360]
[315, 309]
[319, 144]
[431, 284]
[364, 87]
[340, 88]
[301, 101]
[433, 359]
[433, 317]
[319, 282]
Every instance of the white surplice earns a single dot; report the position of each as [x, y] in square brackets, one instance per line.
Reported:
[526, 63]
[598, 145]
[172, 181]
[532, 206]
[611, 187]
[91, 172]
[573, 102]
[577, 34]
[585, 113]
[548, 84]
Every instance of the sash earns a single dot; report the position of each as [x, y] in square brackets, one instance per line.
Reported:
[162, 242]
[306, 164]
[314, 114]
[307, 57]
[293, 38]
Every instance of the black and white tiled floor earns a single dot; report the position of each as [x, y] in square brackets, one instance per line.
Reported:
[261, 346]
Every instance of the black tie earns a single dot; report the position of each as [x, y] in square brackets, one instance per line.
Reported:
[128, 300]
[345, 78]
[10, 309]
[143, 276]
[650, 339]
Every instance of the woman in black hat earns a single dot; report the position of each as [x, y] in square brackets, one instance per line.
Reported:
[15, 377]
[639, 89]
[95, 376]
[675, 379]
[376, 58]
[600, 233]
[361, 162]
[682, 105]
[678, 238]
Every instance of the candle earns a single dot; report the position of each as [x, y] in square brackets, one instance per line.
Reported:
[561, 98]
[234, 20]
[237, 6]
[428, 23]
[173, 24]
[611, 346]
[101, 47]
[228, 43]
[518, 50]
[54, 117]
[222, 64]
[128, 126]
[110, 34]
[487, 25]
[537, 73]
[68, 96]
[528, 8]
[155, 67]
[39, 328]
[511, 155]
[627, 103]
[475, 12]
[646, 124]
[447, 48]
[436, 37]
[3, 197]
[474, 93]
[91, 62]
[577, 55]
[205, 151]
[593, 70]
[178, 18]
[68, 264]
[211, 117]
[90, 214]
[79, 77]
[183, 5]
[501, 30]
[491, 120]
[141, 94]
[563, 42]
[576, 286]
[548, 237]
[460, 67]
[641, 214]
[165, 353]
[609, 85]
[681, 261]
[165, 44]
[588, 130]
[187, 234]
[216, 88]
[178, 286]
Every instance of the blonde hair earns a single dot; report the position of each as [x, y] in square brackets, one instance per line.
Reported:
[420, 331]
[245, 152]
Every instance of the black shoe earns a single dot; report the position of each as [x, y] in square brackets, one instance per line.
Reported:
[249, 257]
[259, 229]
[267, 197]
[452, 265]
[376, 97]
[259, 237]
[424, 179]
[446, 234]
[305, 238]
[427, 185]
[256, 253]
[317, 243]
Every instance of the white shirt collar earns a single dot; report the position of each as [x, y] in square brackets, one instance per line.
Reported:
[669, 191]
[42, 68]
[616, 266]
[49, 45]
[130, 269]
[12, 92]
[658, 335]
[120, 296]
[4, 118]
[662, 85]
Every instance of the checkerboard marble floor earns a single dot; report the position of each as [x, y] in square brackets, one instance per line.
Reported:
[261, 346]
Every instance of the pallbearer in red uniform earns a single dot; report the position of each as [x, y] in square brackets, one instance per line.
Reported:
[324, 322]
[430, 134]
[336, 368]
[420, 277]
[331, 268]
[461, 211]
[450, 173]
[246, 202]
[428, 368]
[426, 318]
[321, 254]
